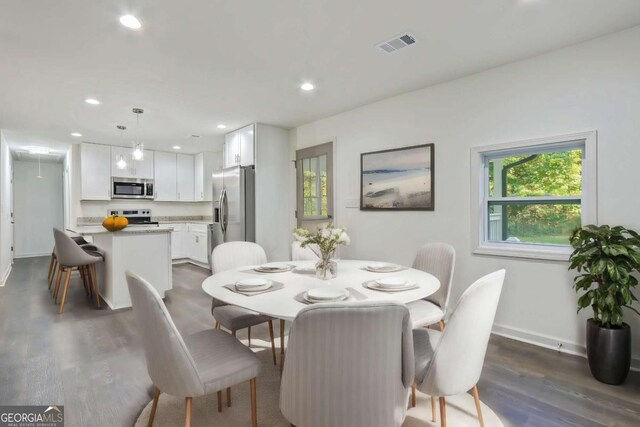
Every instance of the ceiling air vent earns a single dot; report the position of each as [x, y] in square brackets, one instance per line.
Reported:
[397, 43]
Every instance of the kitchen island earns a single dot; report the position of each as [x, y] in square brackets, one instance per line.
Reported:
[143, 250]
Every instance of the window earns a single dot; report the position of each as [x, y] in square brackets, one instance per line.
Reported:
[314, 184]
[533, 194]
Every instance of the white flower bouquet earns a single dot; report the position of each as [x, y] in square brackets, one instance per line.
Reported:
[325, 241]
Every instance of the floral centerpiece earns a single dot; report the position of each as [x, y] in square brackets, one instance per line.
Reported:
[323, 243]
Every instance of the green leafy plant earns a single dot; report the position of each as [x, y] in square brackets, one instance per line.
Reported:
[606, 258]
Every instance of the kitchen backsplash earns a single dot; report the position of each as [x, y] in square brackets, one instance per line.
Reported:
[94, 220]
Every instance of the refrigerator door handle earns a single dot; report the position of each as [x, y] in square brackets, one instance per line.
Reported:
[223, 211]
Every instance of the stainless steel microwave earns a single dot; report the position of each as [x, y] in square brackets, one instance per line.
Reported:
[131, 188]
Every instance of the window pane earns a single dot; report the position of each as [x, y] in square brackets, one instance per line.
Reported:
[314, 172]
[557, 173]
[533, 223]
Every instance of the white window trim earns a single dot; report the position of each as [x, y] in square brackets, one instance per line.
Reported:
[479, 243]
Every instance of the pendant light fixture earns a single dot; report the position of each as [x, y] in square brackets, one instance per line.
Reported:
[121, 163]
[138, 147]
[39, 170]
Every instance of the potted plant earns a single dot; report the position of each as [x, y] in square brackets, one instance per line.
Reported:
[606, 258]
[323, 243]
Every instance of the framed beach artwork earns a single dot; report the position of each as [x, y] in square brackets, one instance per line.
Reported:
[399, 179]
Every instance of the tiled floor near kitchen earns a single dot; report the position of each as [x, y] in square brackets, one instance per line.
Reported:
[89, 361]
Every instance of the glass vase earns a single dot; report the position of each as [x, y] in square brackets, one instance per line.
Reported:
[326, 268]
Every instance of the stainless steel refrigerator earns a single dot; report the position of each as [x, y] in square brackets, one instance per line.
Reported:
[233, 206]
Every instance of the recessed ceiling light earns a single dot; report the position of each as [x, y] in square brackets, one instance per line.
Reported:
[130, 21]
[176, 147]
[221, 126]
[76, 134]
[92, 101]
[307, 86]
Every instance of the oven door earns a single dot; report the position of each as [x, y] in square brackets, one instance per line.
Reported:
[129, 189]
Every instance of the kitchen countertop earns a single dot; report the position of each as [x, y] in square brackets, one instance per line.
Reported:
[195, 221]
[88, 230]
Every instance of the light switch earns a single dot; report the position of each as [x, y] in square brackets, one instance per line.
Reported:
[352, 203]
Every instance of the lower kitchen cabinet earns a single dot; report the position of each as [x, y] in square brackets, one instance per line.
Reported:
[189, 242]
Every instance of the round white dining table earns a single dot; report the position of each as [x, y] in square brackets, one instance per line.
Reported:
[285, 303]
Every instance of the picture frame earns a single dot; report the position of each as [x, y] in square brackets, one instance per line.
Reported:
[398, 179]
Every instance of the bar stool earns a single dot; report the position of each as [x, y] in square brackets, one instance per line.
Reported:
[54, 259]
[70, 255]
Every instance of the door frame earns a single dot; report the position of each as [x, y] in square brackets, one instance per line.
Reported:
[315, 151]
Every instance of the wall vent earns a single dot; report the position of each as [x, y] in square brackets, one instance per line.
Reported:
[396, 43]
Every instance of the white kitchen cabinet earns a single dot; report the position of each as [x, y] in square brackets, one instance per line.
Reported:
[185, 177]
[177, 241]
[239, 147]
[197, 242]
[95, 172]
[165, 177]
[205, 164]
[142, 169]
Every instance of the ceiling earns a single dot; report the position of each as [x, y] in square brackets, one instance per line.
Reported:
[197, 63]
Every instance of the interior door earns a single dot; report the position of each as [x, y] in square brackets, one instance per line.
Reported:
[314, 184]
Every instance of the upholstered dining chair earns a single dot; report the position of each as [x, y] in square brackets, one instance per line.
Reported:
[438, 259]
[70, 255]
[348, 364]
[298, 253]
[450, 362]
[203, 363]
[53, 265]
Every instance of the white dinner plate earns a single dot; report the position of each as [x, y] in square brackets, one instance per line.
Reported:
[391, 282]
[382, 267]
[374, 285]
[273, 267]
[253, 284]
[327, 293]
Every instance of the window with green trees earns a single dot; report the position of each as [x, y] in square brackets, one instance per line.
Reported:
[535, 197]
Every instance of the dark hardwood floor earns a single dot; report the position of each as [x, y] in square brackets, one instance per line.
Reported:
[90, 361]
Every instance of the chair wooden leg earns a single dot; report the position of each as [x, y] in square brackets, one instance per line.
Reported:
[154, 406]
[217, 325]
[85, 278]
[228, 397]
[443, 412]
[281, 344]
[51, 269]
[187, 412]
[94, 280]
[254, 406]
[413, 396]
[433, 409]
[441, 323]
[233, 333]
[476, 398]
[219, 400]
[53, 272]
[56, 288]
[64, 290]
[249, 335]
[273, 344]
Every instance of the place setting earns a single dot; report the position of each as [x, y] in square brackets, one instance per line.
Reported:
[390, 284]
[274, 267]
[254, 286]
[329, 294]
[383, 267]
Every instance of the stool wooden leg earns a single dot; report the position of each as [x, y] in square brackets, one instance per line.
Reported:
[64, 290]
[443, 412]
[219, 400]
[229, 397]
[187, 412]
[57, 287]
[254, 406]
[52, 269]
[85, 278]
[433, 409]
[94, 280]
[273, 344]
[413, 396]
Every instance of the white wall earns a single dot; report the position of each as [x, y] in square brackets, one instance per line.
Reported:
[6, 235]
[38, 207]
[591, 86]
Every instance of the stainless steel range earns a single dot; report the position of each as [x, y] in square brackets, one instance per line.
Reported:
[135, 216]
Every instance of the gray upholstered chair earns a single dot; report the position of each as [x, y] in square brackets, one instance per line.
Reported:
[229, 256]
[53, 265]
[450, 362]
[437, 259]
[203, 363]
[70, 255]
[298, 253]
[348, 364]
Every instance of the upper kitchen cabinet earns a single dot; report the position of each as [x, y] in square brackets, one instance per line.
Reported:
[205, 164]
[185, 177]
[239, 147]
[95, 172]
[165, 181]
[124, 166]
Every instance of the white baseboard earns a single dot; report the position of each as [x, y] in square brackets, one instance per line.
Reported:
[5, 276]
[32, 255]
[550, 342]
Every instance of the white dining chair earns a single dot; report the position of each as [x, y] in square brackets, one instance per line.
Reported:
[450, 362]
[438, 259]
[348, 364]
[298, 253]
[230, 256]
[204, 363]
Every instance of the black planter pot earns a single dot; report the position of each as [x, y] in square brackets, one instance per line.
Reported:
[609, 352]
